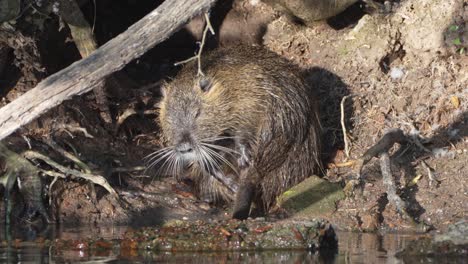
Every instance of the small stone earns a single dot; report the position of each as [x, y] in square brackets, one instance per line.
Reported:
[396, 73]
[453, 132]
[369, 222]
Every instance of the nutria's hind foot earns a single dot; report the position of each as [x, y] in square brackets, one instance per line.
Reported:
[243, 201]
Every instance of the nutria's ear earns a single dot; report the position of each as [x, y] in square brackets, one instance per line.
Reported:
[204, 84]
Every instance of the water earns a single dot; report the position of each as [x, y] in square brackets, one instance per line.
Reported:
[353, 248]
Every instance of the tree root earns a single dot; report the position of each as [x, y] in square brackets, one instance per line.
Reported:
[382, 146]
[21, 170]
[381, 149]
[67, 155]
[94, 178]
[132, 111]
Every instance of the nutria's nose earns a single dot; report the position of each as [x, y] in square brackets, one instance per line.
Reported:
[184, 145]
[184, 148]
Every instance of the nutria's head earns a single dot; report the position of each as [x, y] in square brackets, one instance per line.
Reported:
[196, 123]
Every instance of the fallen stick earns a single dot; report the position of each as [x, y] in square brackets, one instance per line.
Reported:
[382, 146]
[381, 149]
[82, 76]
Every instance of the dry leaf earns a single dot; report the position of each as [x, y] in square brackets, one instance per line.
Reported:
[455, 101]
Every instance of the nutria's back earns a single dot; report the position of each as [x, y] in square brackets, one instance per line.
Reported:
[248, 128]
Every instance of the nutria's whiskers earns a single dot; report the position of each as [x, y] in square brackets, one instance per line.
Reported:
[155, 157]
[152, 155]
[215, 155]
[206, 155]
[167, 156]
[221, 148]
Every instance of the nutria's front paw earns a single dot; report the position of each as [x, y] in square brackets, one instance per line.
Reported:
[243, 201]
[241, 214]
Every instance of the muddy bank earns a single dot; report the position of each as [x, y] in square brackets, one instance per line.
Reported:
[402, 69]
[447, 247]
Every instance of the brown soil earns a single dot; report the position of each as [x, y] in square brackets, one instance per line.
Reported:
[416, 39]
[404, 69]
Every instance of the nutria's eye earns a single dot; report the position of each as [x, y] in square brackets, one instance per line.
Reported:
[205, 84]
[197, 114]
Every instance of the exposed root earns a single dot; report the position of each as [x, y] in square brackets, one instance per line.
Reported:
[131, 111]
[51, 185]
[381, 149]
[67, 155]
[96, 179]
[18, 169]
[69, 129]
[137, 168]
[389, 182]
[342, 164]
[383, 146]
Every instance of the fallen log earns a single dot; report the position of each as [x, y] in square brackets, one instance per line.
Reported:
[82, 76]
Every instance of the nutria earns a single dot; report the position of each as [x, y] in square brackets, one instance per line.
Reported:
[246, 129]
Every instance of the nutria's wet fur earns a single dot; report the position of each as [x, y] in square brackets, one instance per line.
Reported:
[247, 129]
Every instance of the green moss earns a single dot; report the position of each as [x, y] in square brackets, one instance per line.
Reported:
[311, 198]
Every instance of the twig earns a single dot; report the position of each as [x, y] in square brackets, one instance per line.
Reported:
[94, 16]
[137, 168]
[197, 57]
[131, 111]
[343, 126]
[27, 141]
[50, 189]
[96, 179]
[390, 183]
[69, 128]
[382, 146]
[414, 135]
[430, 174]
[342, 164]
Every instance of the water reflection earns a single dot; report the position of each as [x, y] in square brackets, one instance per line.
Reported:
[353, 248]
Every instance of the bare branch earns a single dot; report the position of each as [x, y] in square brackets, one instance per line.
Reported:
[208, 27]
